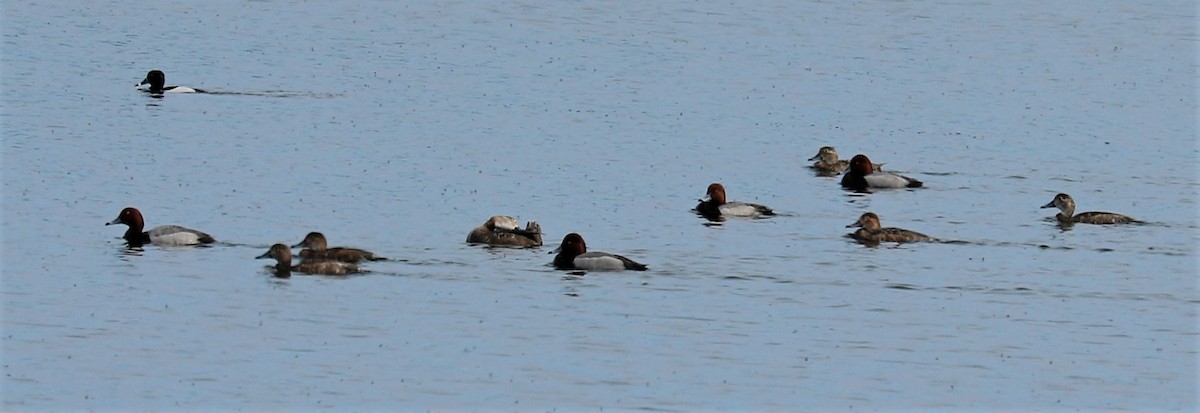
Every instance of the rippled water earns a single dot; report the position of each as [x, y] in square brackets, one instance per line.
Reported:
[398, 128]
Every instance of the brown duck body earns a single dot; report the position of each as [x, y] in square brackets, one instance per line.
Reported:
[284, 268]
[1067, 215]
[502, 230]
[316, 249]
[872, 232]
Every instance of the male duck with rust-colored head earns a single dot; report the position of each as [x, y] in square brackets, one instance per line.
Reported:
[573, 255]
[160, 235]
[862, 176]
[715, 205]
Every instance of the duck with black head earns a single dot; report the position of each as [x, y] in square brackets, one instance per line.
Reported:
[157, 80]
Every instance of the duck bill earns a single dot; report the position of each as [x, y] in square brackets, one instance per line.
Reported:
[854, 225]
[265, 255]
[114, 222]
[815, 157]
[1050, 205]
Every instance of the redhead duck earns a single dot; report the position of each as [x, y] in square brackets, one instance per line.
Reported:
[716, 206]
[872, 232]
[1065, 204]
[503, 230]
[156, 79]
[283, 264]
[573, 255]
[160, 235]
[828, 164]
[862, 176]
[316, 249]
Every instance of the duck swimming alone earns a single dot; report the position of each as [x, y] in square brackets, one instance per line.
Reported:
[1065, 204]
[862, 176]
[715, 206]
[316, 249]
[157, 81]
[283, 264]
[503, 230]
[160, 235]
[871, 232]
[573, 255]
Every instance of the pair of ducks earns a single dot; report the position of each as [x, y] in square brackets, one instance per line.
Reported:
[502, 230]
[872, 233]
[862, 174]
[317, 258]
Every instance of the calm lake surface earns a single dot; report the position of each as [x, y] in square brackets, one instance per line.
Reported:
[399, 127]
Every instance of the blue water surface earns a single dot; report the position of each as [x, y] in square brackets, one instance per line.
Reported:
[397, 127]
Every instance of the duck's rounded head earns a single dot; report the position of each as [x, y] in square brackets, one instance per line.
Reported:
[716, 194]
[1062, 202]
[314, 240]
[862, 165]
[826, 154]
[572, 244]
[868, 221]
[156, 79]
[279, 252]
[129, 216]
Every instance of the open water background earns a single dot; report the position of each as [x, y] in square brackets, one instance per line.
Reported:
[398, 127]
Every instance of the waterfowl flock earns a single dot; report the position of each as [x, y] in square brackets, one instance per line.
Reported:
[859, 174]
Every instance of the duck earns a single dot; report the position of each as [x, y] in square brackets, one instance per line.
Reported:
[715, 206]
[503, 230]
[315, 249]
[1066, 204]
[157, 79]
[573, 255]
[283, 264]
[862, 176]
[871, 232]
[161, 235]
[828, 164]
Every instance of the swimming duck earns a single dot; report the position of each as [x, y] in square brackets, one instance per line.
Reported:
[715, 206]
[316, 249]
[1065, 204]
[862, 176]
[503, 230]
[573, 255]
[828, 164]
[156, 79]
[871, 232]
[283, 264]
[160, 235]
